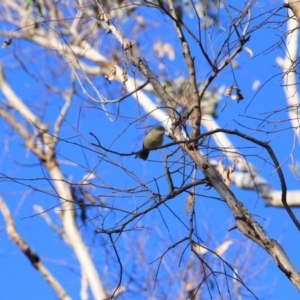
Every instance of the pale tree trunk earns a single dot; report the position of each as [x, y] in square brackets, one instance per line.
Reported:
[46, 153]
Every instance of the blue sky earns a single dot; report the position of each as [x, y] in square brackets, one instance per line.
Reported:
[160, 228]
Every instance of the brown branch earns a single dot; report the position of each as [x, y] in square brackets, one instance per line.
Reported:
[196, 100]
[275, 161]
[244, 221]
[242, 41]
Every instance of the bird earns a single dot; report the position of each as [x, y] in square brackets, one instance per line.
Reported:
[153, 139]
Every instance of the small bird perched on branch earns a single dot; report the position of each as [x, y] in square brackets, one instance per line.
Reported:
[153, 139]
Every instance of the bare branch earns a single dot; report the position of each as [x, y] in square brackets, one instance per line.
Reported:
[29, 253]
[196, 100]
